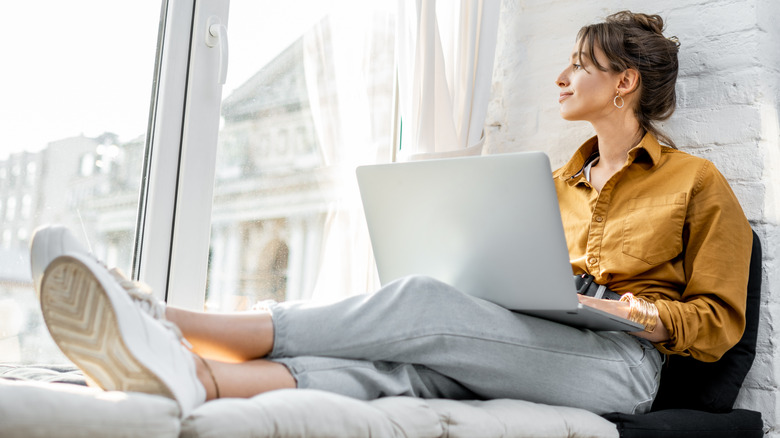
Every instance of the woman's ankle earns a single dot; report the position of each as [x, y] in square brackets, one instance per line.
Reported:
[206, 377]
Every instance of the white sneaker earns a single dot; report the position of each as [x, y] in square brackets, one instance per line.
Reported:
[116, 344]
[49, 242]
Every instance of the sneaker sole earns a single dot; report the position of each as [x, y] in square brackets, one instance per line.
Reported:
[83, 323]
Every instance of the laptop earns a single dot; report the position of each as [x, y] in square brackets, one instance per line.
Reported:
[488, 225]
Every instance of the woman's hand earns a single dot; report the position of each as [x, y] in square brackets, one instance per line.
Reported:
[620, 308]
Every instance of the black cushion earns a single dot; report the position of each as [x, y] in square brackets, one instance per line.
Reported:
[695, 398]
[687, 383]
[684, 423]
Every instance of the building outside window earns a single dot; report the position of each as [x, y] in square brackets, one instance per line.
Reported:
[309, 96]
[286, 221]
[88, 85]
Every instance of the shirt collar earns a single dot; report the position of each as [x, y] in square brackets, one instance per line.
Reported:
[649, 144]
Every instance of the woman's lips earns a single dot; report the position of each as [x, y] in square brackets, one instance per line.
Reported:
[563, 96]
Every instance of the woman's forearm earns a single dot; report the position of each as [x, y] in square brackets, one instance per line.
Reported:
[659, 334]
[621, 309]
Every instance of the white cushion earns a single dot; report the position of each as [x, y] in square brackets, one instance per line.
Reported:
[312, 413]
[36, 409]
[517, 418]
[309, 413]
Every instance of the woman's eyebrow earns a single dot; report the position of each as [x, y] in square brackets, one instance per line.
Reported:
[579, 56]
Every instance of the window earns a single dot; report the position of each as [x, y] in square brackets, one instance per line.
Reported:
[307, 99]
[26, 206]
[15, 173]
[87, 164]
[31, 169]
[92, 63]
[10, 209]
[305, 103]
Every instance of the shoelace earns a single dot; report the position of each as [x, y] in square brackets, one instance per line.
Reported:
[142, 295]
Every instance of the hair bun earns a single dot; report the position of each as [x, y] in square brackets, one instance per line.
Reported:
[651, 23]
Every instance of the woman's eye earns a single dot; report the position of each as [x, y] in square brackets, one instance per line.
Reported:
[576, 66]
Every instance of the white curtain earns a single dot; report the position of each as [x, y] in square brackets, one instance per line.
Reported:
[346, 60]
[444, 63]
[445, 53]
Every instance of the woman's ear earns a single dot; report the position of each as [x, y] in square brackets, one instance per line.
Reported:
[629, 81]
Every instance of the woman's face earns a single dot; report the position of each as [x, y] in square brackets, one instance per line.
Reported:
[587, 93]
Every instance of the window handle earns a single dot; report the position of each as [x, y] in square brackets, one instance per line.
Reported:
[216, 33]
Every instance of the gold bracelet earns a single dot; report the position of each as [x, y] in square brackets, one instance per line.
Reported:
[641, 311]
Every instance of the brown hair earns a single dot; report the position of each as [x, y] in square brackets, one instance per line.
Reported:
[636, 41]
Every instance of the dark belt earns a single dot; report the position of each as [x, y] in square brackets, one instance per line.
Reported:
[586, 286]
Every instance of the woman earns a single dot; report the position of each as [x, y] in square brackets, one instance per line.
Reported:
[658, 226]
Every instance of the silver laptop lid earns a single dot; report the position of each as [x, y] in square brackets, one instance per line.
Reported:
[488, 225]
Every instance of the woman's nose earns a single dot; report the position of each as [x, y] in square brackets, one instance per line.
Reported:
[562, 80]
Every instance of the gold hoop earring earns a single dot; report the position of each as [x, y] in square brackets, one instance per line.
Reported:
[615, 101]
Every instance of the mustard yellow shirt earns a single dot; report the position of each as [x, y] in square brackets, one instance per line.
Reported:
[668, 228]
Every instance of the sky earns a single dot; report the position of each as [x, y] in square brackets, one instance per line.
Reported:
[86, 66]
[70, 66]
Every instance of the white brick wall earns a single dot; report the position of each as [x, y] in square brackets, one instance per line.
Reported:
[728, 111]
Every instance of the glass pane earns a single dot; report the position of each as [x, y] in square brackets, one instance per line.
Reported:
[75, 106]
[308, 98]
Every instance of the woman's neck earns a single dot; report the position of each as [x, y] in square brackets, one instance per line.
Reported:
[615, 140]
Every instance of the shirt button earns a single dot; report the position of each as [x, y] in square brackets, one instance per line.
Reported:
[592, 261]
[599, 218]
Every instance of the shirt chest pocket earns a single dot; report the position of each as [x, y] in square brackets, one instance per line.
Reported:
[653, 228]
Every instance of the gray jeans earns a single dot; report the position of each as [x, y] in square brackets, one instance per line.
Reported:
[420, 337]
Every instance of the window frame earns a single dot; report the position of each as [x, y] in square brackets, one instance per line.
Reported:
[174, 218]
